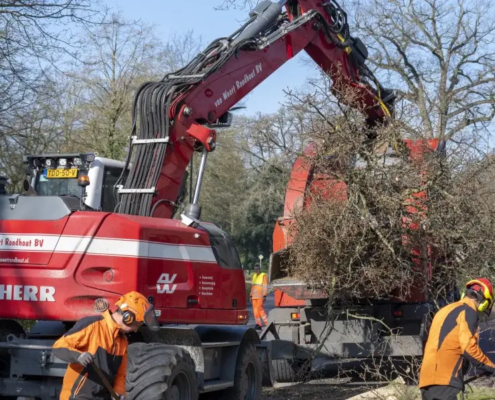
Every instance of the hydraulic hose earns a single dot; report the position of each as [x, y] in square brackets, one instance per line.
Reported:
[266, 14]
[151, 120]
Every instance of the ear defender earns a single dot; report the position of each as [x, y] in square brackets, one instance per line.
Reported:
[128, 318]
[484, 296]
[135, 308]
[484, 306]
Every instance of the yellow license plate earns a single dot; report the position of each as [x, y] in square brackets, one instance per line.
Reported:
[62, 173]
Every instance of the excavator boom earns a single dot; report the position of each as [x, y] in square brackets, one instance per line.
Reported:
[201, 94]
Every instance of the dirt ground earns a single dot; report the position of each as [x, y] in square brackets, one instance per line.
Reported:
[313, 391]
[320, 391]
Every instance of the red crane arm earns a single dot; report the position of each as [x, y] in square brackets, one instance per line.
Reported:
[204, 91]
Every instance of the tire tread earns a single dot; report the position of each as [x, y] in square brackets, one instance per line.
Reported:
[150, 366]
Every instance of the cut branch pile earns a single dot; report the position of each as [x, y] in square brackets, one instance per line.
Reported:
[380, 220]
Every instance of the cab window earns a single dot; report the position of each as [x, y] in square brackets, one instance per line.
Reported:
[108, 191]
[57, 187]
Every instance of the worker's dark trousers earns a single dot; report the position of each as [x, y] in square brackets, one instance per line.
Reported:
[441, 393]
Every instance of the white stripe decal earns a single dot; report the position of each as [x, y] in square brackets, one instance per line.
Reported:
[155, 250]
[105, 247]
[73, 244]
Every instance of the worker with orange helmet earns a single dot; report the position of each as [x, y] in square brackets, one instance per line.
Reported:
[453, 343]
[100, 340]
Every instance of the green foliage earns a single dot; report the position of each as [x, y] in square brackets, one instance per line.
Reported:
[242, 201]
[262, 205]
[224, 185]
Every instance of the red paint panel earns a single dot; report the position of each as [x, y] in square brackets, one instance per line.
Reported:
[75, 280]
[40, 227]
[284, 300]
[298, 181]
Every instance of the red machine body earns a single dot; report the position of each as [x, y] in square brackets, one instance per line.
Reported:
[53, 269]
[62, 266]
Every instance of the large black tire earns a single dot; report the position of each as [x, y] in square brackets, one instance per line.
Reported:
[248, 376]
[285, 371]
[160, 372]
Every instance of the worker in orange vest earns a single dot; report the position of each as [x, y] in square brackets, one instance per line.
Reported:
[259, 290]
[453, 343]
[101, 340]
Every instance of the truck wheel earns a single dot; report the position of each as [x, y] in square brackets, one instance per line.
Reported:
[248, 376]
[285, 371]
[160, 372]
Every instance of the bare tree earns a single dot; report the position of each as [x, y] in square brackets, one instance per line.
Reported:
[34, 36]
[86, 107]
[265, 137]
[237, 4]
[31, 129]
[365, 222]
[119, 56]
[439, 55]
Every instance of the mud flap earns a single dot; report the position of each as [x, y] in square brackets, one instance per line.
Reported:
[265, 354]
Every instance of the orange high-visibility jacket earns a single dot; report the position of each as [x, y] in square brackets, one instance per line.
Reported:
[452, 343]
[100, 335]
[259, 287]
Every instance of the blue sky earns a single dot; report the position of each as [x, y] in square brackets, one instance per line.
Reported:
[176, 16]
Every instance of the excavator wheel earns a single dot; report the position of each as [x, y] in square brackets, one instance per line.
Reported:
[248, 376]
[160, 372]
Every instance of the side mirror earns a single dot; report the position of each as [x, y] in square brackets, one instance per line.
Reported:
[28, 188]
[3, 183]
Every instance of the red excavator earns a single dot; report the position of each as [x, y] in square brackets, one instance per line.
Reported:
[89, 228]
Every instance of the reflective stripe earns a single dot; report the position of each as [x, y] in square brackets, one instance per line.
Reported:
[81, 384]
[114, 247]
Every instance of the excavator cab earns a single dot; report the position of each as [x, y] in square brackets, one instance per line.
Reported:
[84, 176]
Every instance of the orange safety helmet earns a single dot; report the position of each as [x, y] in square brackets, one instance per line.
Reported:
[484, 288]
[135, 308]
